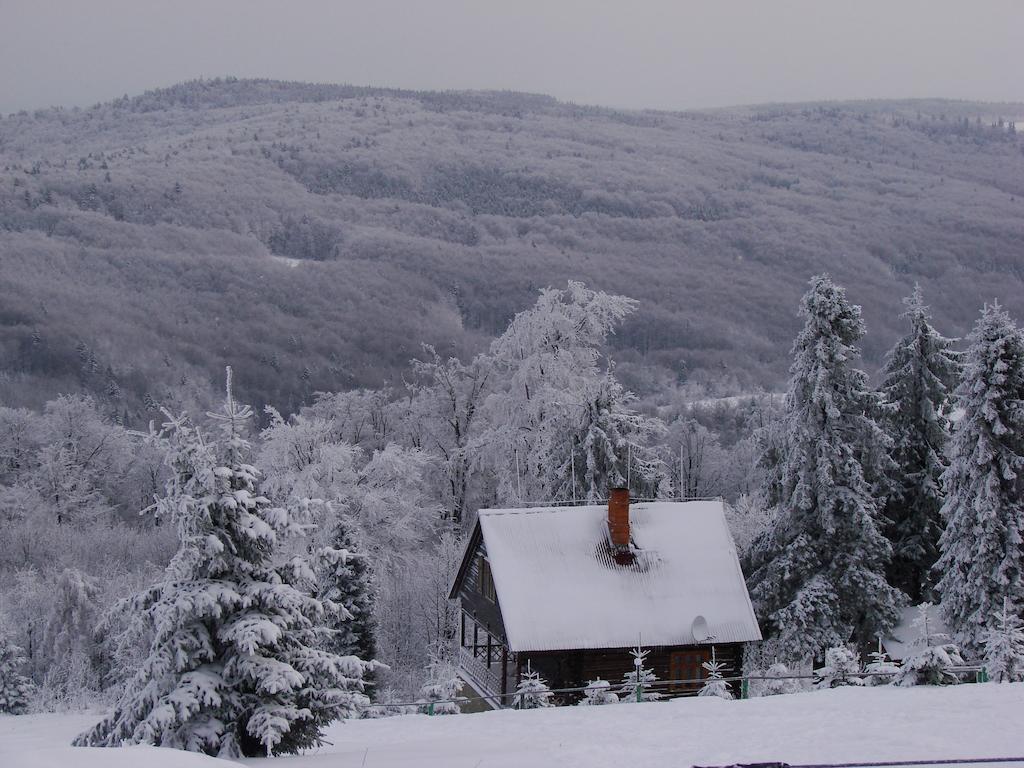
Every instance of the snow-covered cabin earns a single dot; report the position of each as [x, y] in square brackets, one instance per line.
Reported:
[570, 590]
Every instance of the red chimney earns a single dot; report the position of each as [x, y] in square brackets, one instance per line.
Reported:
[618, 517]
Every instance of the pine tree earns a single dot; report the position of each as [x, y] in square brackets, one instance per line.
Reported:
[598, 693]
[982, 560]
[841, 666]
[818, 573]
[532, 692]
[933, 658]
[1004, 648]
[776, 680]
[15, 688]
[918, 375]
[440, 694]
[235, 666]
[715, 684]
[344, 585]
[605, 445]
[638, 684]
[882, 669]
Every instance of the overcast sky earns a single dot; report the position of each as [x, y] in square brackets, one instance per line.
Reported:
[667, 54]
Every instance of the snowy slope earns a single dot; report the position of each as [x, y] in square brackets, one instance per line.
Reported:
[843, 725]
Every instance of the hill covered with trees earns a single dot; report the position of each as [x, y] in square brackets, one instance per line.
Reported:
[314, 236]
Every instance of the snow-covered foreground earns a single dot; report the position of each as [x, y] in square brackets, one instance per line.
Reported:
[843, 725]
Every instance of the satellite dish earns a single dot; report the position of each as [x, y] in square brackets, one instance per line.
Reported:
[699, 629]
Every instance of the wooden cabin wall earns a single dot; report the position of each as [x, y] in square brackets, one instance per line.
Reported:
[487, 613]
[573, 669]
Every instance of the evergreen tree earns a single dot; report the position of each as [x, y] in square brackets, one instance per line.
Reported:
[933, 658]
[15, 688]
[598, 693]
[715, 685]
[841, 666]
[817, 575]
[606, 444]
[440, 694]
[533, 691]
[344, 585]
[1004, 648]
[918, 375]
[235, 665]
[638, 684]
[881, 667]
[982, 560]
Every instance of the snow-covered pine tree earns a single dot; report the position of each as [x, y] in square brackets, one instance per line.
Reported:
[818, 574]
[440, 694]
[640, 677]
[606, 444]
[598, 693]
[920, 372]
[235, 666]
[532, 692]
[882, 669]
[72, 653]
[982, 560]
[344, 582]
[715, 684]
[15, 688]
[776, 682]
[1004, 648]
[841, 664]
[933, 658]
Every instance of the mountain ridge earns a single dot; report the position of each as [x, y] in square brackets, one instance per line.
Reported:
[313, 241]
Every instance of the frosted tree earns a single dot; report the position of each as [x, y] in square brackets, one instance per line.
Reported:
[449, 399]
[532, 692]
[715, 684]
[344, 585]
[638, 683]
[818, 573]
[440, 694]
[1004, 648]
[550, 394]
[776, 682]
[841, 666]
[72, 653]
[919, 374]
[933, 658]
[881, 668]
[15, 689]
[235, 666]
[982, 558]
[606, 443]
[598, 693]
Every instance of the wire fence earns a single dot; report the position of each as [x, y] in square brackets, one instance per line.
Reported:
[670, 689]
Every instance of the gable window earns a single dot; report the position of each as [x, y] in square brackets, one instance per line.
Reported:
[486, 580]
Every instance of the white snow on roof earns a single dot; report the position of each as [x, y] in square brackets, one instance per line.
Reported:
[558, 588]
[905, 638]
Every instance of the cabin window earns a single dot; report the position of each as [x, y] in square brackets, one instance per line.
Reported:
[486, 580]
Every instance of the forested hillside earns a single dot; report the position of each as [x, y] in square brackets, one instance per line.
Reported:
[314, 236]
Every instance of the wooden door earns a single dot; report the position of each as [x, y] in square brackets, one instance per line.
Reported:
[686, 665]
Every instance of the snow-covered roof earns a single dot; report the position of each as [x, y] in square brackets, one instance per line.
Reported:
[905, 636]
[559, 588]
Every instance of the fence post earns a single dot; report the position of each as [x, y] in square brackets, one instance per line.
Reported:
[639, 692]
[430, 708]
[982, 675]
[744, 688]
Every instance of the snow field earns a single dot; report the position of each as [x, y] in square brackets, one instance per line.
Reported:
[841, 725]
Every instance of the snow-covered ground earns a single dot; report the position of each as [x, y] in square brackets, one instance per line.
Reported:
[843, 725]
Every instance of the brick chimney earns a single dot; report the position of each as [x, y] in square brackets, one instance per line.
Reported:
[618, 518]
